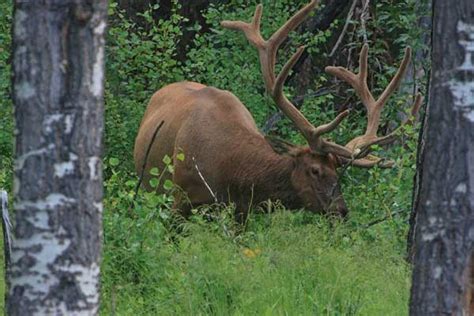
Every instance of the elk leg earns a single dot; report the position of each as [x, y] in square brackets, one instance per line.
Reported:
[242, 207]
[241, 216]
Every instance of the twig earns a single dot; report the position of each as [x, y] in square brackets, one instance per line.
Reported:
[383, 219]
[142, 172]
[359, 154]
[204, 180]
[249, 209]
[363, 19]
[344, 30]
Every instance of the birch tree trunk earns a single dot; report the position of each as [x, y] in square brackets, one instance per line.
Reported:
[58, 59]
[444, 232]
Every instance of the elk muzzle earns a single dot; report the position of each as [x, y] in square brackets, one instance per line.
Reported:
[339, 209]
[338, 205]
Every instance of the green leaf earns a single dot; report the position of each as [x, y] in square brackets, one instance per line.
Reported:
[168, 185]
[163, 215]
[180, 156]
[154, 183]
[154, 171]
[114, 161]
[167, 160]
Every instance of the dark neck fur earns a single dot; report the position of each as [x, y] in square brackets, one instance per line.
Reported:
[264, 175]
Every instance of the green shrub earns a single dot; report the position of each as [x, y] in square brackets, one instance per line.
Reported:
[6, 107]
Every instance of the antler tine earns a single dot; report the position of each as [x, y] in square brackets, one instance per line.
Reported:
[280, 81]
[251, 30]
[363, 64]
[396, 79]
[309, 131]
[289, 109]
[279, 36]
[326, 128]
[368, 163]
[384, 140]
[391, 137]
[415, 108]
[357, 81]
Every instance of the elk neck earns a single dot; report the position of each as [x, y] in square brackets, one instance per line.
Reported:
[263, 174]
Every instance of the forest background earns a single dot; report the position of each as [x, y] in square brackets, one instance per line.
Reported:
[283, 262]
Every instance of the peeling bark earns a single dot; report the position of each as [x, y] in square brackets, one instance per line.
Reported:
[58, 65]
[444, 231]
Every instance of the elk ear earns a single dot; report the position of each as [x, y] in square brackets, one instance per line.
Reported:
[280, 146]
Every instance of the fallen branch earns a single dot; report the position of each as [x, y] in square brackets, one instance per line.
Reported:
[383, 219]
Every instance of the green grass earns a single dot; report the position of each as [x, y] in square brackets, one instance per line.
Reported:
[282, 264]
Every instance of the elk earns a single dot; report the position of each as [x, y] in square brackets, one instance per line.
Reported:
[226, 156]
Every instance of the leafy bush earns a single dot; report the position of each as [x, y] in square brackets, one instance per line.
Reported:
[6, 113]
[139, 62]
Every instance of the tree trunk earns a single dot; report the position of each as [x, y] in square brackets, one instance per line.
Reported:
[444, 232]
[58, 59]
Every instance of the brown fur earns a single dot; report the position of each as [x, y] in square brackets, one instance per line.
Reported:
[218, 136]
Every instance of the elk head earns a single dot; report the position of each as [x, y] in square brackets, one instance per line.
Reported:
[314, 177]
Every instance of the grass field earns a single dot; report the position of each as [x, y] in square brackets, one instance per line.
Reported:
[282, 264]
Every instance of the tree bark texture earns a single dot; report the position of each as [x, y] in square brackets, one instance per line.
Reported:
[444, 232]
[58, 62]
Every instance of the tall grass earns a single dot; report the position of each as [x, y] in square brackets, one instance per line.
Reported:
[282, 264]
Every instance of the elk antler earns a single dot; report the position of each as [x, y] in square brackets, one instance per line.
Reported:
[360, 145]
[267, 50]
[358, 149]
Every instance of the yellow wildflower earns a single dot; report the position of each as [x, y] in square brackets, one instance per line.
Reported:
[249, 253]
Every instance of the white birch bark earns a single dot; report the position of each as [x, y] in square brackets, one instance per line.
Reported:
[58, 62]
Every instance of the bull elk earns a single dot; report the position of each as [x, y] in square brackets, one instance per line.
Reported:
[226, 156]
